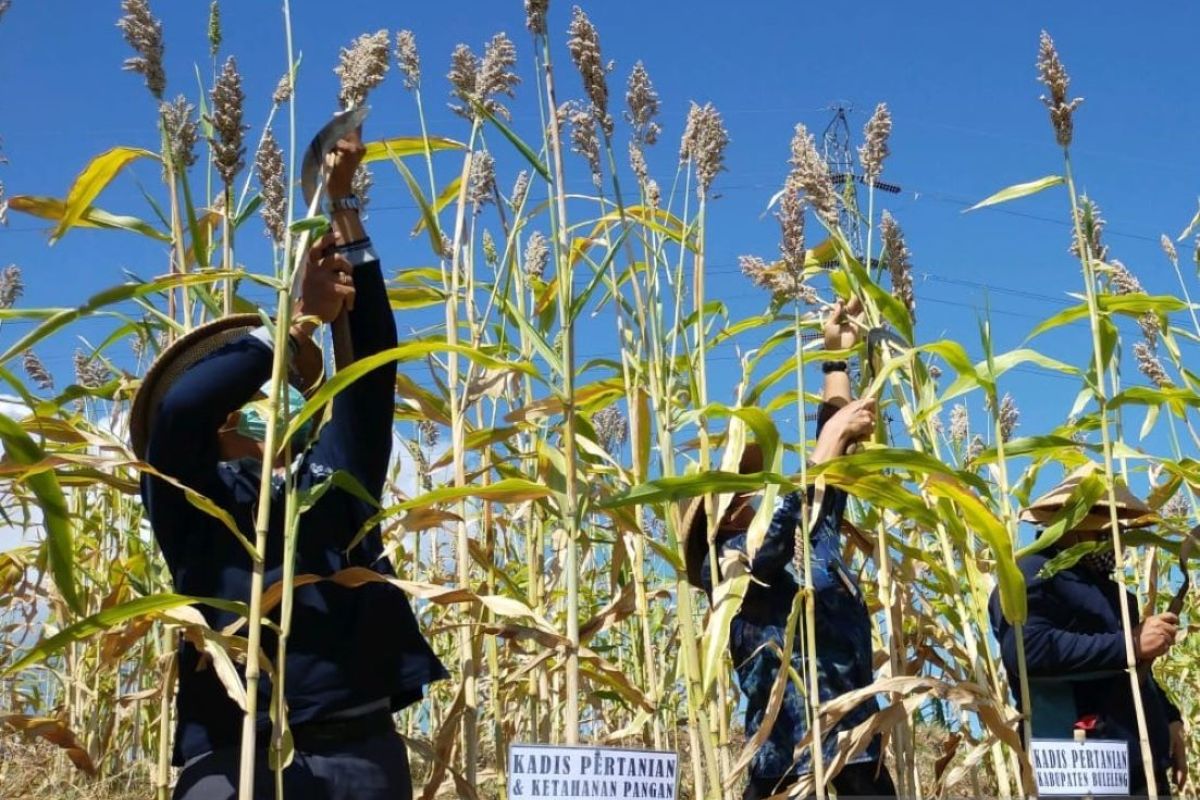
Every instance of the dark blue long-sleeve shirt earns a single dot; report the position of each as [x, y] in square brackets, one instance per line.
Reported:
[347, 647]
[1075, 656]
[842, 631]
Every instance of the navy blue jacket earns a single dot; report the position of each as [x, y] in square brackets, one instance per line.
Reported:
[348, 647]
[1075, 654]
[843, 634]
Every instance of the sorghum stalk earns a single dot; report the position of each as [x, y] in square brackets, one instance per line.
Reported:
[564, 273]
[270, 446]
[1107, 446]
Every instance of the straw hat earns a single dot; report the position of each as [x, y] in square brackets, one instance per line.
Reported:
[1131, 512]
[695, 519]
[195, 345]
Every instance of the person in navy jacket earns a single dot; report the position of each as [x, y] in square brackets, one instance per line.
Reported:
[1075, 646]
[843, 658]
[354, 655]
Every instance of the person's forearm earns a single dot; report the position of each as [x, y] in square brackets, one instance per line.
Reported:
[831, 443]
[347, 225]
[836, 388]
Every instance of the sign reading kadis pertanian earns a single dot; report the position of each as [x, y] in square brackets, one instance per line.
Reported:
[568, 773]
[1092, 766]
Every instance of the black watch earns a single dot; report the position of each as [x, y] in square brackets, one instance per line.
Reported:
[834, 366]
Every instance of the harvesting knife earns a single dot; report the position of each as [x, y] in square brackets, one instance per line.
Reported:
[1185, 551]
[312, 183]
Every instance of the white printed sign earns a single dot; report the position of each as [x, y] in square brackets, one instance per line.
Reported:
[567, 773]
[1094, 766]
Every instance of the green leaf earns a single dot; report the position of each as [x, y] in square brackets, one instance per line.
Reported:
[727, 601]
[405, 352]
[95, 176]
[115, 615]
[317, 226]
[58, 318]
[402, 146]
[427, 213]
[523, 148]
[54, 209]
[509, 490]
[1019, 190]
[20, 448]
[445, 198]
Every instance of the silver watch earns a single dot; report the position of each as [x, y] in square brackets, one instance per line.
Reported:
[348, 203]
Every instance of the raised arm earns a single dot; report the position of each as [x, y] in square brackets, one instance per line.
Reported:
[359, 436]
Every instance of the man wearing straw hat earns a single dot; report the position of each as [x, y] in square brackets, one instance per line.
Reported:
[843, 627]
[1075, 642]
[354, 655]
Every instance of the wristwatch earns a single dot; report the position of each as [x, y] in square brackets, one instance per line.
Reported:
[348, 203]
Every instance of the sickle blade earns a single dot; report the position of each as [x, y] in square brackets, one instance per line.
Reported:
[342, 124]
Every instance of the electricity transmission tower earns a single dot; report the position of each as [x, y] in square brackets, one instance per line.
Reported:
[840, 155]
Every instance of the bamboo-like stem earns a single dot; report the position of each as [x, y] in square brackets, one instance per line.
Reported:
[1106, 443]
[270, 446]
[227, 248]
[565, 275]
[467, 662]
[162, 776]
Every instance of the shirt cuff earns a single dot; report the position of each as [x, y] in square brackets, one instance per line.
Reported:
[264, 335]
[358, 252]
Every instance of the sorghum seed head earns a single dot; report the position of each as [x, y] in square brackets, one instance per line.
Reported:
[464, 71]
[812, 173]
[214, 28]
[875, 142]
[791, 229]
[360, 184]
[960, 424]
[1149, 323]
[1092, 225]
[145, 35]
[637, 161]
[268, 165]
[535, 16]
[519, 190]
[1177, 507]
[584, 140]
[495, 74]
[584, 46]
[1150, 366]
[899, 261]
[490, 256]
[482, 180]
[643, 106]
[181, 132]
[537, 255]
[1007, 416]
[283, 90]
[36, 371]
[90, 372]
[704, 142]
[653, 193]
[612, 428]
[1122, 281]
[428, 432]
[782, 283]
[935, 371]
[408, 60]
[4, 4]
[975, 449]
[362, 66]
[12, 286]
[226, 120]
[1168, 248]
[1053, 75]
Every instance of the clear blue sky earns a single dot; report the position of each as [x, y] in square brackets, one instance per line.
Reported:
[959, 78]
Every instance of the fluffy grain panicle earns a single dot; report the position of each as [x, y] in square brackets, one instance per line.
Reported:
[362, 66]
[144, 33]
[226, 119]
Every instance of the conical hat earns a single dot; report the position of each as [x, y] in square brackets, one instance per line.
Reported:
[1131, 512]
[695, 519]
[190, 348]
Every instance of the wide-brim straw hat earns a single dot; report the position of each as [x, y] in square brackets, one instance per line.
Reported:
[695, 519]
[1131, 512]
[190, 348]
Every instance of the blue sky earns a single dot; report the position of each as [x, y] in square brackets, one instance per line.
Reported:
[959, 78]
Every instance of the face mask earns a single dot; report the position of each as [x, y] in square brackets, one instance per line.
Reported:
[252, 421]
[1102, 562]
